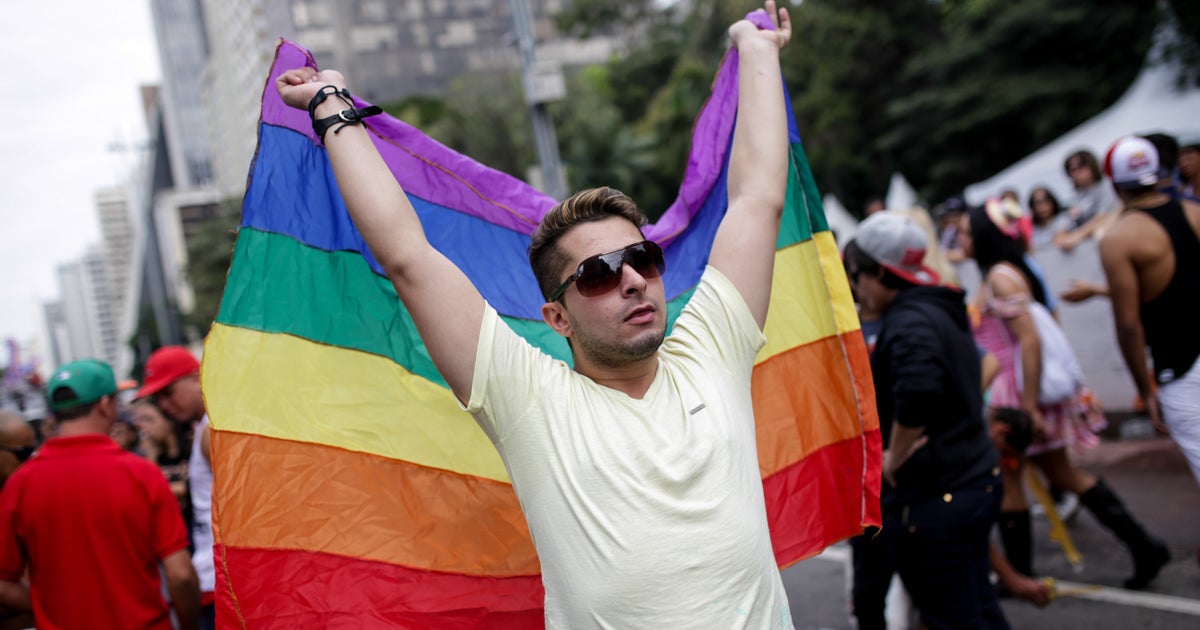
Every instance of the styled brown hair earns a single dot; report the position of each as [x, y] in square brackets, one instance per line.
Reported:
[585, 206]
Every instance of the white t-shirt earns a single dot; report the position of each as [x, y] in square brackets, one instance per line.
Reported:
[200, 480]
[645, 513]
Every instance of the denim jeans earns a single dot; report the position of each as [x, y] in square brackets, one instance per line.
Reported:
[940, 548]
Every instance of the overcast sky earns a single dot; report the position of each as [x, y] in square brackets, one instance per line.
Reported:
[74, 67]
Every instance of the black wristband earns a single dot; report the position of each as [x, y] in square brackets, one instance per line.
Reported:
[350, 116]
[325, 92]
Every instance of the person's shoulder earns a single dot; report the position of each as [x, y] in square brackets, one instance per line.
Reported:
[1130, 229]
[908, 315]
[1005, 280]
[21, 476]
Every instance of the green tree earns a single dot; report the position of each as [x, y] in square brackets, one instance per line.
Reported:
[585, 18]
[628, 124]
[1006, 78]
[210, 250]
[1186, 50]
[843, 69]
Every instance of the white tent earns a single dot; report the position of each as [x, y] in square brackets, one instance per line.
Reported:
[900, 194]
[1152, 104]
[844, 225]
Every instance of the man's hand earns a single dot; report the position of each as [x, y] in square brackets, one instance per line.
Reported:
[1037, 424]
[893, 463]
[1155, 413]
[297, 87]
[744, 33]
[1081, 290]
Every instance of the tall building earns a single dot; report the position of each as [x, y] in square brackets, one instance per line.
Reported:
[57, 334]
[71, 288]
[215, 56]
[88, 312]
[178, 214]
[388, 50]
[243, 47]
[183, 52]
[117, 234]
[121, 247]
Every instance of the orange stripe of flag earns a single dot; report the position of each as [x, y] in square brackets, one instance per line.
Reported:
[802, 382]
[279, 494]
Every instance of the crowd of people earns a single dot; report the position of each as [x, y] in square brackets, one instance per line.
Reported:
[109, 526]
[971, 391]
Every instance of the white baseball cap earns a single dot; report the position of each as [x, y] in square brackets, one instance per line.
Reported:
[897, 244]
[1132, 162]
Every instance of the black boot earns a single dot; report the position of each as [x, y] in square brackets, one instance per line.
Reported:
[1150, 554]
[1016, 533]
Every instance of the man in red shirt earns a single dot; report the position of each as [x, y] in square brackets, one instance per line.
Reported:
[91, 522]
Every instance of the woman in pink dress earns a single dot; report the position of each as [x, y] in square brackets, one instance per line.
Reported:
[991, 235]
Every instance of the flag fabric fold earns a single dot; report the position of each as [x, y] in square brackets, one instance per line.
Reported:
[351, 490]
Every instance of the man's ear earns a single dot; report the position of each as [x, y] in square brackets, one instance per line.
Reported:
[555, 315]
[110, 402]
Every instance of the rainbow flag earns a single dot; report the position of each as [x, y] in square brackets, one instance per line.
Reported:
[351, 490]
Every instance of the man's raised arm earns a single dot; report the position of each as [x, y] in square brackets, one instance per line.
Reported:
[445, 306]
[744, 249]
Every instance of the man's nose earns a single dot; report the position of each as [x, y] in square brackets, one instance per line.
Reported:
[632, 282]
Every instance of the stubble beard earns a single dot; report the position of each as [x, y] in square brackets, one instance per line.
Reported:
[608, 353]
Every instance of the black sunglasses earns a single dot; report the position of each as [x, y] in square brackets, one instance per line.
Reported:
[601, 273]
[22, 453]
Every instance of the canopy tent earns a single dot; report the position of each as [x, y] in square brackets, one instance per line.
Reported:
[1153, 103]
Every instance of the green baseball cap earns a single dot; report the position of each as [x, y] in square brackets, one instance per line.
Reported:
[87, 380]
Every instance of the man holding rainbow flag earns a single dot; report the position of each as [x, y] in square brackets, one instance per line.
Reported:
[637, 470]
[397, 435]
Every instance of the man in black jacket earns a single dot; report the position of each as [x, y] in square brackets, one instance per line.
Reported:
[942, 484]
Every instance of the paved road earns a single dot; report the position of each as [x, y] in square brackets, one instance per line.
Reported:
[1153, 479]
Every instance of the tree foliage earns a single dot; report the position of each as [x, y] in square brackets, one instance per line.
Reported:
[1006, 78]
[1186, 49]
[210, 250]
[585, 18]
[946, 92]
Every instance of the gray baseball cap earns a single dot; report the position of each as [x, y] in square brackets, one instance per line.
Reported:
[897, 244]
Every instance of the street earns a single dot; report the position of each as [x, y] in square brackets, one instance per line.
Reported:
[1150, 475]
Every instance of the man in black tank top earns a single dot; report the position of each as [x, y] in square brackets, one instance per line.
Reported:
[1152, 259]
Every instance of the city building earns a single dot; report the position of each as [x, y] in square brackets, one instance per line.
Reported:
[88, 313]
[203, 119]
[388, 50]
[182, 53]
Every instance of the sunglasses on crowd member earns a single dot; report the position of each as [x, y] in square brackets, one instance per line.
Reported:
[601, 273]
[21, 453]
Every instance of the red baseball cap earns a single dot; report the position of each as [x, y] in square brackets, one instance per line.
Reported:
[165, 366]
[1132, 162]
